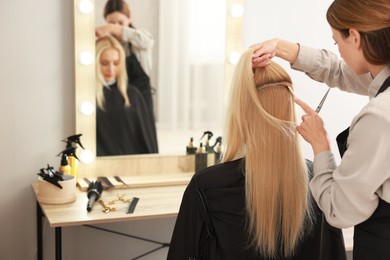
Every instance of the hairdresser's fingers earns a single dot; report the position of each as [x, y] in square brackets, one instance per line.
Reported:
[259, 62]
[304, 117]
[304, 106]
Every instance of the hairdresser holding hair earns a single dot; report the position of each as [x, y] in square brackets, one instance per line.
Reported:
[256, 204]
[357, 192]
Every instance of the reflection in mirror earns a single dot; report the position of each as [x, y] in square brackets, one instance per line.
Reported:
[189, 69]
[191, 100]
[124, 123]
[125, 116]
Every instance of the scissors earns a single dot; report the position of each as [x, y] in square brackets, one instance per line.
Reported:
[322, 101]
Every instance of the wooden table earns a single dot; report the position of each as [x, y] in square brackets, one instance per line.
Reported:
[154, 202]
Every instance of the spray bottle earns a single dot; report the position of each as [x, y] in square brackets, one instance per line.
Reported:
[208, 148]
[70, 150]
[70, 153]
[217, 147]
[64, 167]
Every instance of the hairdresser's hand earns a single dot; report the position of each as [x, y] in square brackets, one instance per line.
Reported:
[109, 29]
[265, 51]
[312, 128]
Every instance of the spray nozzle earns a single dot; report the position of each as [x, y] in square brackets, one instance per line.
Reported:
[209, 135]
[64, 159]
[218, 141]
[70, 151]
[73, 140]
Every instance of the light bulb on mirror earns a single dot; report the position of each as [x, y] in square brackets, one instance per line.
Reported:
[86, 58]
[87, 108]
[86, 156]
[237, 10]
[234, 57]
[85, 6]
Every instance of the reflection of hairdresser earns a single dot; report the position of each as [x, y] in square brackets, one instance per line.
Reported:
[137, 43]
[356, 192]
[256, 204]
[124, 125]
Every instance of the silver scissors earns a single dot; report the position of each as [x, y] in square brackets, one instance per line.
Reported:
[322, 101]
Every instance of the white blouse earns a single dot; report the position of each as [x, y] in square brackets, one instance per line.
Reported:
[348, 193]
[142, 43]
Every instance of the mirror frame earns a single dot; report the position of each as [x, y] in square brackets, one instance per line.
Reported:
[84, 41]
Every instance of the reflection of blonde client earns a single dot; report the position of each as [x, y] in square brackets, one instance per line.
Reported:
[137, 43]
[124, 125]
[256, 204]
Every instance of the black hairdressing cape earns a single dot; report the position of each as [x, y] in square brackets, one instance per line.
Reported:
[124, 130]
[211, 222]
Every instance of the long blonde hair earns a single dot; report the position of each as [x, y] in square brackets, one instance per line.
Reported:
[261, 126]
[102, 44]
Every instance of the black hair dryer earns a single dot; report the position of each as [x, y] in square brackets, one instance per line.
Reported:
[94, 192]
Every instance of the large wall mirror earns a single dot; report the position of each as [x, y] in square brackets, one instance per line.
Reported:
[196, 46]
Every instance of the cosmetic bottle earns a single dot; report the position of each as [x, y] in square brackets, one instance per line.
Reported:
[217, 148]
[70, 150]
[191, 149]
[64, 167]
[200, 158]
[218, 154]
[208, 148]
[72, 161]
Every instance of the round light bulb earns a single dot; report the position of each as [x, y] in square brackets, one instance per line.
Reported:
[86, 58]
[234, 57]
[87, 108]
[85, 6]
[237, 10]
[86, 156]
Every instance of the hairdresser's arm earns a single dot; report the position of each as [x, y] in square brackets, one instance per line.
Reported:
[320, 65]
[139, 38]
[109, 29]
[325, 66]
[274, 48]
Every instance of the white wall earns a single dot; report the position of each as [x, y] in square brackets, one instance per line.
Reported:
[303, 21]
[36, 109]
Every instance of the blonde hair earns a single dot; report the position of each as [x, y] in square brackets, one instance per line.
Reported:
[102, 44]
[261, 126]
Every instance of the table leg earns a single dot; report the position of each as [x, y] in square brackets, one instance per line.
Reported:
[58, 243]
[39, 232]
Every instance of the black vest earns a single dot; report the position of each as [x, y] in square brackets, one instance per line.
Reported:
[371, 237]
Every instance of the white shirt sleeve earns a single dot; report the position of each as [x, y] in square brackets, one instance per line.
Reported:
[139, 38]
[325, 66]
[347, 194]
[142, 43]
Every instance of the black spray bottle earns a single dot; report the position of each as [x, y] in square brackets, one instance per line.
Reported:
[217, 147]
[208, 148]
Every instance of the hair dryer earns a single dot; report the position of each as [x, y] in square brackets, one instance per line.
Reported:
[94, 192]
